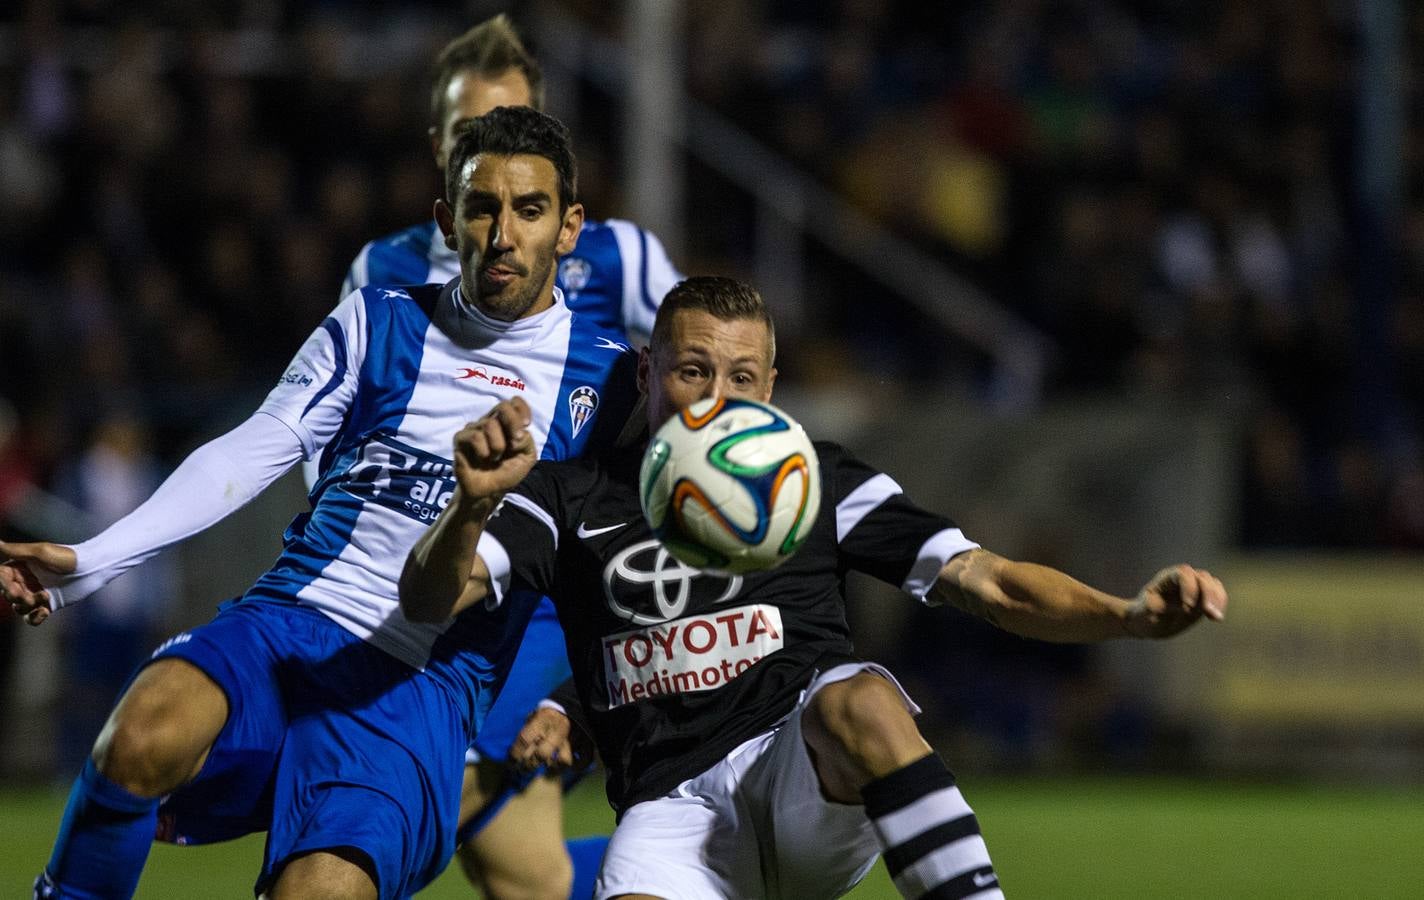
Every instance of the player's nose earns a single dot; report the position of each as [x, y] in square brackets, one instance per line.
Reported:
[500, 234]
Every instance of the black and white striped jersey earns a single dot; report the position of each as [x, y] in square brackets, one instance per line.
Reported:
[676, 667]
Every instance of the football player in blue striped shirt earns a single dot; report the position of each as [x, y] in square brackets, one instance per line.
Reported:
[512, 825]
[310, 707]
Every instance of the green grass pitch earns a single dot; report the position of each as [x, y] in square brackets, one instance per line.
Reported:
[1091, 839]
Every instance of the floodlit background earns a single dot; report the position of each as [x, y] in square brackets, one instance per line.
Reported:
[1114, 284]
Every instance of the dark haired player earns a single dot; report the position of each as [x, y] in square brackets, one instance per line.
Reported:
[511, 838]
[750, 754]
[311, 707]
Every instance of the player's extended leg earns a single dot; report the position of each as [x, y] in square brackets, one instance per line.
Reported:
[866, 749]
[519, 854]
[326, 875]
[363, 803]
[155, 740]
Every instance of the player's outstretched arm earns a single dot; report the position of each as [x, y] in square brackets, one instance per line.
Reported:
[211, 483]
[443, 575]
[26, 568]
[1039, 602]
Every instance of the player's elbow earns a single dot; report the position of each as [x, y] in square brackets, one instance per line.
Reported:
[419, 600]
[421, 613]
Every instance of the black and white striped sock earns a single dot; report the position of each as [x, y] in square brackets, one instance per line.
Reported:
[929, 835]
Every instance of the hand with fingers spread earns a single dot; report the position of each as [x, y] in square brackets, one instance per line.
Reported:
[1174, 599]
[495, 452]
[550, 740]
[21, 572]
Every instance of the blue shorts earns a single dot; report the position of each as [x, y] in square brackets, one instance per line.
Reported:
[318, 748]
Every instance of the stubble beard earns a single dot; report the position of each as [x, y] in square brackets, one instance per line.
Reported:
[515, 299]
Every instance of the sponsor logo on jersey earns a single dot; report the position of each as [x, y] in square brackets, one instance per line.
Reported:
[583, 402]
[584, 532]
[295, 376]
[646, 585]
[496, 379]
[393, 294]
[574, 273]
[400, 477]
[695, 653]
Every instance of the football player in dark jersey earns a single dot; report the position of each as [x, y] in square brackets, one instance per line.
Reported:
[750, 753]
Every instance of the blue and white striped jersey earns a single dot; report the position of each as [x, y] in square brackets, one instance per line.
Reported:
[382, 386]
[617, 274]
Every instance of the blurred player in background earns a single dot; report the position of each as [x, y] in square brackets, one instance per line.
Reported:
[791, 767]
[512, 843]
[617, 273]
[310, 707]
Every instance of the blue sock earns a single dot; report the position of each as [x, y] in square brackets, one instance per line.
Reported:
[587, 854]
[103, 840]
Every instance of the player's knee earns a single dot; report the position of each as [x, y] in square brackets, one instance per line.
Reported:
[339, 874]
[865, 718]
[139, 757]
[536, 876]
[153, 740]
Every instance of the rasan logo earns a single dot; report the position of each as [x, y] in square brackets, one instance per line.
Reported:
[403, 478]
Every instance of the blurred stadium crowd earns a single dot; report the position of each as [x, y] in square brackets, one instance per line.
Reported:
[1169, 191]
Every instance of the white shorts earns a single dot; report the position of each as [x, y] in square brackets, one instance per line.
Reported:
[753, 825]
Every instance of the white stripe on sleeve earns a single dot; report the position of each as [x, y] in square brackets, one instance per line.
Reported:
[537, 511]
[934, 553]
[858, 504]
[497, 564]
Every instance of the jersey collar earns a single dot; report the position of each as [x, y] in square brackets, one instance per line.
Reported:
[472, 319]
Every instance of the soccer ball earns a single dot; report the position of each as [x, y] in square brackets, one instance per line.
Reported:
[730, 486]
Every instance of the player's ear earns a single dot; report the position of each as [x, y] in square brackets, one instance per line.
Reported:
[445, 218]
[645, 365]
[770, 383]
[569, 231]
[437, 148]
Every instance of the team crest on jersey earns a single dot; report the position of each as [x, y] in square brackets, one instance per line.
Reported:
[574, 274]
[583, 402]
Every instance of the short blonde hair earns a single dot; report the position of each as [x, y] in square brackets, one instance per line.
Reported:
[490, 49]
[717, 295]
